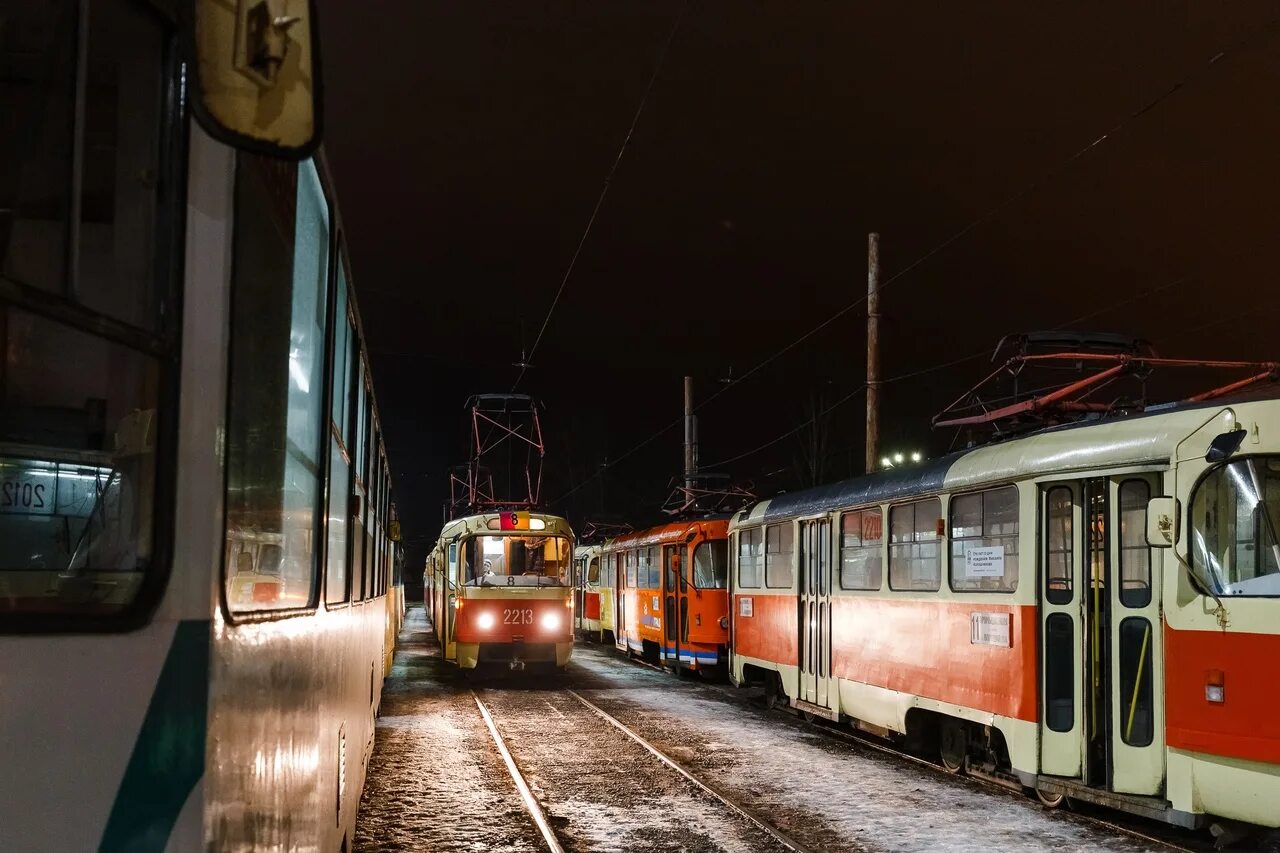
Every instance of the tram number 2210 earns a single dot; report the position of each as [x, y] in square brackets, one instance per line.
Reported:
[515, 616]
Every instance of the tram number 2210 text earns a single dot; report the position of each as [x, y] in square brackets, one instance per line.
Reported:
[515, 616]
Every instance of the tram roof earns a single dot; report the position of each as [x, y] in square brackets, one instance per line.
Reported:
[1143, 438]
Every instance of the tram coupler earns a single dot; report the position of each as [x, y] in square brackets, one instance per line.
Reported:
[516, 665]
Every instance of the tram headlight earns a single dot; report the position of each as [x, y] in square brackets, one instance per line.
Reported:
[484, 621]
[550, 621]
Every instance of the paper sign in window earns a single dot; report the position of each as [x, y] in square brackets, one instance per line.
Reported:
[985, 562]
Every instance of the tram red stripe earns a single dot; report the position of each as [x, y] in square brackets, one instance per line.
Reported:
[1242, 725]
[924, 649]
[769, 633]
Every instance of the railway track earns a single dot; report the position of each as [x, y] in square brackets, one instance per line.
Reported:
[867, 742]
[556, 840]
[1113, 823]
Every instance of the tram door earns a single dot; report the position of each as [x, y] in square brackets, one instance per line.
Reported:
[1061, 556]
[675, 630]
[1102, 648]
[815, 610]
[619, 602]
[1136, 654]
[450, 611]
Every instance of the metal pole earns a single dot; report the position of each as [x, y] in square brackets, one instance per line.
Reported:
[689, 447]
[873, 350]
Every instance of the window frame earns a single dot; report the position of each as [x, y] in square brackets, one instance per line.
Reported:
[757, 560]
[164, 345]
[1189, 520]
[790, 526]
[951, 538]
[880, 546]
[940, 540]
[320, 527]
[1122, 551]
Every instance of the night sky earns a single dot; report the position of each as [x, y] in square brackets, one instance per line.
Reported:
[470, 141]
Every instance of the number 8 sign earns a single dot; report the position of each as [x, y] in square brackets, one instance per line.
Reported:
[513, 521]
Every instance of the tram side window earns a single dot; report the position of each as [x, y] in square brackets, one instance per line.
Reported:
[337, 567]
[275, 422]
[984, 541]
[649, 557]
[1235, 526]
[710, 569]
[914, 555]
[750, 557]
[861, 538]
[779, 552]
[630, 558]
[121, 175]
[593, 571]
[1135, 554]
[1137, 712]
[1059, 545]
[80, 410]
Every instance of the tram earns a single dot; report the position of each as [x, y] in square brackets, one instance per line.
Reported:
[590, 616]
[500, 590]
[1091, 611]
[196, 531]
[672, 593]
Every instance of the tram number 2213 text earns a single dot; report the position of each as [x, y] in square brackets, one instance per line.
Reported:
[515, 616]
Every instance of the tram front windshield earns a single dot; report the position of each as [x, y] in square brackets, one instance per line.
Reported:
[517, 561]
[1235, 528]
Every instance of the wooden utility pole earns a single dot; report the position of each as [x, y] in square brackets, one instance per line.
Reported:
[690, 439]
[873, 350]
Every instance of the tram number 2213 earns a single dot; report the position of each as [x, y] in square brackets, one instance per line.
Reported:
[515, 616]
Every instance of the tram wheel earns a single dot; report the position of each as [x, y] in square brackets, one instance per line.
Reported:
[952, 746]
[1050, 801]
[772, 692]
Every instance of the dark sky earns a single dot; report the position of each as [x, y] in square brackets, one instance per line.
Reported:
[470, 140]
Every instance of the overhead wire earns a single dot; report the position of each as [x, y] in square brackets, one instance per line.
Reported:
[983, 218]
[944, 365]
[527, 359]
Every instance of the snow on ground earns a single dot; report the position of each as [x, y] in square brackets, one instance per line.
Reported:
[800, 778]
[435, 780]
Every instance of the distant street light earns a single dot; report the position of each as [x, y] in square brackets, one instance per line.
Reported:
[898, 459]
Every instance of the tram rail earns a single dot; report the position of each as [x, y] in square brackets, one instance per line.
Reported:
[539, 816]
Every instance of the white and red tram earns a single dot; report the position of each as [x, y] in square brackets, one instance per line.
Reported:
[1092, 611]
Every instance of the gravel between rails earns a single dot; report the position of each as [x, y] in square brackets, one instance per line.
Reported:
[435, 780]
[603, 791]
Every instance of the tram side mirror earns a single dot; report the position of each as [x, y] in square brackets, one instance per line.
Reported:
[1162, 522]
[256, 74]
[1224, 444]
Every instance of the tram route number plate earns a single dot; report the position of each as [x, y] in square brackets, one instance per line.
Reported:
[745, 606]
[989, 629]
[27, 494]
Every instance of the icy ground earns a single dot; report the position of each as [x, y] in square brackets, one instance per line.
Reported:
[436, 782]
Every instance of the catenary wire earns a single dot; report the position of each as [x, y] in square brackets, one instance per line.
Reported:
[1212, 62]
[527, 359]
